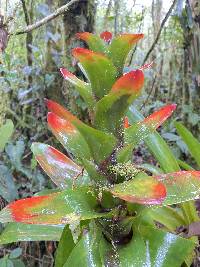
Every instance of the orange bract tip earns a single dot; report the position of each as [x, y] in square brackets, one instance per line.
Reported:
[59, 124]
[60, 111]
[84, 54]
[159, 116]
[65, 73]
[126, 122]
[21, 210]
[106, 36]
[131, 82]
[83, 35]
[131, 38]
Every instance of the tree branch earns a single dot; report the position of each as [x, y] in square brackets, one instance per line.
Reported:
[46, 19]
[159, 32]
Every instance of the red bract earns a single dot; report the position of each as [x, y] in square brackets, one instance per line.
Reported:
[159, 116]
[106, 36]
[84, 54]
[126, 122]
[130, 83]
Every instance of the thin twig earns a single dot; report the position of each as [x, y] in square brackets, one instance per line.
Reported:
[46, 19]
[159, 32]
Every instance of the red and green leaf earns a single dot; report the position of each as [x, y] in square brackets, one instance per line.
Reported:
[147, 190]
[64, 207]
[120, 46]
[68, 135]
[59, 167]
[83, 88]
[112, 107]
[163, 189]
[94, 42]
[99, 69]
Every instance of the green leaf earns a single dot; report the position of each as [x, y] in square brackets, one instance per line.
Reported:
[156, 145]
[15, 253]
[169, 217]
[120, 47]
[154, 247]
[7, 187]
[16, 232]
[62, 170]
[15, 153]
[6, 132]
[192, 143]
[101, 144]
[112, 108]
[63, 207]
[69, 136]
[99, 69]
[5, 262]
[83, 88]
[86, 252]
[144, 190]
[94, 42]
[65, 247]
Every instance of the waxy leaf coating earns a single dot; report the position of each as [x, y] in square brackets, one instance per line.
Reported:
[59, 167]
[99, 69]
[147, 190]
[68, 135]
[58, 208]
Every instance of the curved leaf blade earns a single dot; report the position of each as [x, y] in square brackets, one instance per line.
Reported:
[94, 42]
[59, 167]
[100, 70]
[120, 47]
[58, 208]
[147, 190]
[16, 232]
[83, 88]
[6, 132]
[68, 135]
[192, 143]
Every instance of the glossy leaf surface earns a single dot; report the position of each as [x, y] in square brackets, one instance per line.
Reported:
[147, 190]
[101, 144]
[65, 247]
[192, 143]
[83, 88]
[59, 167]
[86, 253]
[111, 108]
[68, 135]
[141, 130]
[154, 247]
[94, 42]
[16, 232]
[120, 47]
[58, 208]
[99, 69]
[156, 145]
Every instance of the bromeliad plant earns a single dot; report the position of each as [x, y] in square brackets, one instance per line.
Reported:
[107, 205]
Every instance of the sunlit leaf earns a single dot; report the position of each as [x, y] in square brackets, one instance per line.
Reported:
[15, 232]
[59, 167]
[83, 88]
[94, 42]
[64, 207]
[99, 69]
[120, 47]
